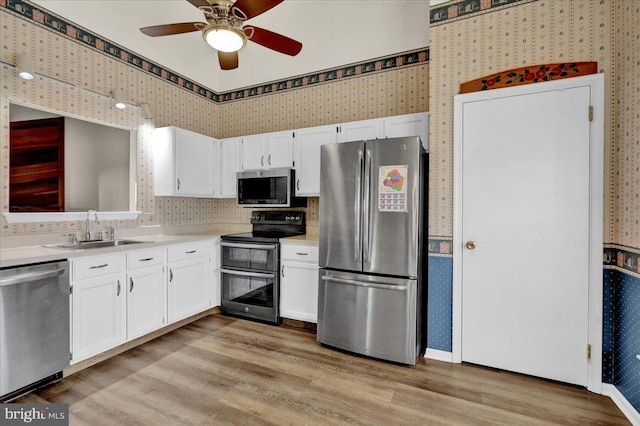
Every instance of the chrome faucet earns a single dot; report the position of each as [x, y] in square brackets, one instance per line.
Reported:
[87, 235]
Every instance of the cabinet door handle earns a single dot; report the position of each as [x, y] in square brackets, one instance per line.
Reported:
[269, 160]
[118, 293]
[298, 184]
[170, 275]
[130, 285]
[283, 271]
[262, 161]
[99, 266]
[178, 184]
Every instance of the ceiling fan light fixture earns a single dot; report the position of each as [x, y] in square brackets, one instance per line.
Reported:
[224, 38]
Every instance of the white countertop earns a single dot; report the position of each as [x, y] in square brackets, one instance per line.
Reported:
[35, 254]
[307, 239]
[39, 253]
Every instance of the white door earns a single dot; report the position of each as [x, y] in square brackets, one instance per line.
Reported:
[361, 130]
[194, 157]
[189, 282]
[408, 125]
[229, 166]
[146, 306]
[525, 232]
[279, 149]
[307, 157]
[98, 315]
[299, 291]
[252, 152]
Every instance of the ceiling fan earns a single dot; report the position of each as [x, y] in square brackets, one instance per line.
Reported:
[226, 31]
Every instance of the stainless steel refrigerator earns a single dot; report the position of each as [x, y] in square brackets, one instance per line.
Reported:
[372, 229]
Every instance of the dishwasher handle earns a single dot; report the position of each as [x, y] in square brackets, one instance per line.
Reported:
[31, 276]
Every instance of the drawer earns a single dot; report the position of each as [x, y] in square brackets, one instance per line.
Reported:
[300, 253]
[189, 250]
[97, 266]
[142, 258]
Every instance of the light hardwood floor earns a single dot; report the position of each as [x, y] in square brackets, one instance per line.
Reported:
[222, 370]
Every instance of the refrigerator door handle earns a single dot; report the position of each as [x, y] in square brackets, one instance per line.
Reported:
[364, 284]
[367, 205]
[357, 229]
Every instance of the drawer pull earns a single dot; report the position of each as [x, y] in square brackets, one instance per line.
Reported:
[190, 252]
[302, 254]
[146, 259]
[99, 266]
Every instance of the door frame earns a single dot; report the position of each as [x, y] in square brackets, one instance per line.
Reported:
[596, 212]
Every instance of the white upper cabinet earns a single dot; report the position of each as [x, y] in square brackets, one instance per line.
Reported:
[307, 157]
[229, 166]
[408, 125]
[252, 151]
[361, 130]
[184, 163]
[267, 150]
[280, 149]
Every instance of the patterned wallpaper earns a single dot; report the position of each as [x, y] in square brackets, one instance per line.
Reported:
[475, 38]
[487, 42]
[626, 148]
[399, 87]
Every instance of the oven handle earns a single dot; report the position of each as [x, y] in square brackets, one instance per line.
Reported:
[247, 274]
[249, 246]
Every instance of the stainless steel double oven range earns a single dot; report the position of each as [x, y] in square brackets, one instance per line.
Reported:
[250, 265]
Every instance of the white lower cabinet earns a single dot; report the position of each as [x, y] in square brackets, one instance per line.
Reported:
[190, 278]
[146, 291]
[299, 282]
[98, 305]
[126, 295]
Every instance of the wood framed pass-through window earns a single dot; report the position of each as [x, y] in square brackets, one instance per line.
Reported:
[36, 166]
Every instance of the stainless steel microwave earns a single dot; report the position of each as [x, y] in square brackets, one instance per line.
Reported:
[268, 188]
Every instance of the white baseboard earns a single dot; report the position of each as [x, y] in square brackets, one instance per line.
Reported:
[438, 355]
[622, 403]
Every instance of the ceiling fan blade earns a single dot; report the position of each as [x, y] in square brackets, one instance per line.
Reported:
[228, 60]
[199, 3]
[170, 29]
[251, 8]
[273, 41]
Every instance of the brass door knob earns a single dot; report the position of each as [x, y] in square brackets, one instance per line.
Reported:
[471, 245]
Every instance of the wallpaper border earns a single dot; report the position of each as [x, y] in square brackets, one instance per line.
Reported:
[614, 256]
[50, 21]
[465, 8]
[622, 258]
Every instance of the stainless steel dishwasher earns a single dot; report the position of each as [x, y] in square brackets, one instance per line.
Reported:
[34, 326]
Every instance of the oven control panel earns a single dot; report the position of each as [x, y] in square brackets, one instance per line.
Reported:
[277, 218]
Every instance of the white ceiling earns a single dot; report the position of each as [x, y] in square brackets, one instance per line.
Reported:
[333, 33]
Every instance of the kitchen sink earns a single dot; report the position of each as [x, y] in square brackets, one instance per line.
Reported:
[81, 245]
